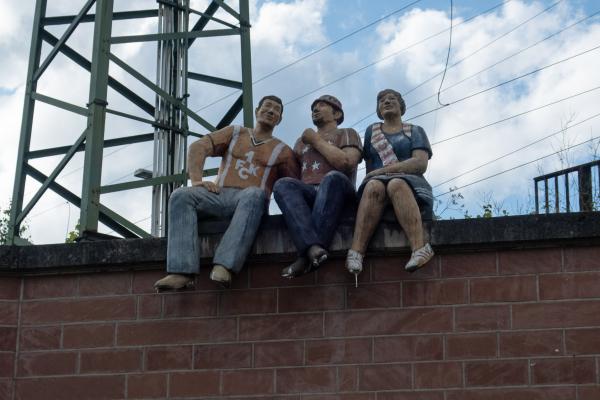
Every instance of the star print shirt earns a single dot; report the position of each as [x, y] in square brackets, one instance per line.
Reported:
[314, 166]
[246, 164]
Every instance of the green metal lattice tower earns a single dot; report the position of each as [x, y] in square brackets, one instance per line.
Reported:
[168, 117]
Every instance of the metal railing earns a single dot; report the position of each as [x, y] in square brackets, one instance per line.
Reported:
[569, 190]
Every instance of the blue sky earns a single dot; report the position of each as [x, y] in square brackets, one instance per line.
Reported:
[395, 52]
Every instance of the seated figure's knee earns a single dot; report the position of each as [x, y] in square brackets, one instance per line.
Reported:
[334, 179]
[180, 196]
[374, 190]
[397, 186]
[255, 194]
[335, 175]
[283, 184]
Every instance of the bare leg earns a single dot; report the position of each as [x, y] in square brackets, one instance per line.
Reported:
[407, 211]
[369, 213]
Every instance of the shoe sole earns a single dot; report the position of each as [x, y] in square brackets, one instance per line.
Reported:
[189, 285]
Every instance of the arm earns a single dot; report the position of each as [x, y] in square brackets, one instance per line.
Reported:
[417, 164]
[289, 167]
[206, 147]
[343, 160]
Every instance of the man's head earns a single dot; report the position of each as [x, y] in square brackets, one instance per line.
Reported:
[389, 95]
[326, 107]
[269, 107]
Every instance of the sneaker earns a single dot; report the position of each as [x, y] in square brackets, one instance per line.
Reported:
[295, 269]
[419, 258]
[221, 275]
[174, 282]
[354, 264]
[317, 256]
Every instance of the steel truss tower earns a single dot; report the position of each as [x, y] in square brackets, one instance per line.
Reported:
[168, 116]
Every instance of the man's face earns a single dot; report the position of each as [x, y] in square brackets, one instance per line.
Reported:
[389, 105]
[269, 113]
[323, 113]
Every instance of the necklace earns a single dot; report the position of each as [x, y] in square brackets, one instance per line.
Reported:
[258, 142]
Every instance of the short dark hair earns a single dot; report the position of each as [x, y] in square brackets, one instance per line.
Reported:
[273, 98]
[398, 96]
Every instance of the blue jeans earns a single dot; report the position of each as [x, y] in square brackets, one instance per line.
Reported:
[245, 208]
[312, 213]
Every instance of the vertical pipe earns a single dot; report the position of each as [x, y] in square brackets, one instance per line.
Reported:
[26, 121]
[556, 197]
[92, 166]
[246, 64]
[585, 188]
[547, 206]
[537, 198]
[567, 195]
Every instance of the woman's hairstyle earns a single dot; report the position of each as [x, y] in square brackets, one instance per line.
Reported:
[398, 96]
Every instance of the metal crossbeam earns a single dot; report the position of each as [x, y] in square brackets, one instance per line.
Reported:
[173, 36]
[177, 103]
[63, 39]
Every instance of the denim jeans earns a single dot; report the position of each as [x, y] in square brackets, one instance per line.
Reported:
[312, 213]
[245, 207]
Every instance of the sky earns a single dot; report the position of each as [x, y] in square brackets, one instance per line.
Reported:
[522, 83]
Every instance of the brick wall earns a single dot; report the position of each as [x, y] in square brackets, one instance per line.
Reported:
[488, 325]
[508, 309]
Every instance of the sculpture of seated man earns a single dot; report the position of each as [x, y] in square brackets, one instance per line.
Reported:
[252, 160]
[396, 155]
[313, 205]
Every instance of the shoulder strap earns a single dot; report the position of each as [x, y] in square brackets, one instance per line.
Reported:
[274, 155]
[234, 139]
[407, 129]
[382, 145]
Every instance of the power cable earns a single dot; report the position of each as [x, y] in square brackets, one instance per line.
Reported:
[393, 54]
[488, 44]
[517, 150]
[494, 64]
[518, 166]
[515, 116]
[508, 81]
[490, 66]
[312, 53]
[447, 55]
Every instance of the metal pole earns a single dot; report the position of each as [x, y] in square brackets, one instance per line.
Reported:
[246, 64]
[92, 167]
[585, 188]
[26, 121]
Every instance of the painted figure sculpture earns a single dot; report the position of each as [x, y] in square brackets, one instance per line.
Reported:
[252, 160]
[396, 155]
[312, 205]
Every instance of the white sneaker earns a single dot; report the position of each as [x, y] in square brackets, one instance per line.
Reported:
[354, 264]
[174, 282]
[221, 275]
[419, 258]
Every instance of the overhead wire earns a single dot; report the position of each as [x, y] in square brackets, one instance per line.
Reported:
[448, 54]
[508, 81]
[312, 53]
[517, 150]
[515, 116]
[490, 66]
[488, 44]
[394, 54]
[498, 62]
[515, 167]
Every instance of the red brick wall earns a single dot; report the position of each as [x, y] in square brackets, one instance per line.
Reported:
[518, 325]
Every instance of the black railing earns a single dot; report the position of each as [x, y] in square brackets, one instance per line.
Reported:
[561, 189]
